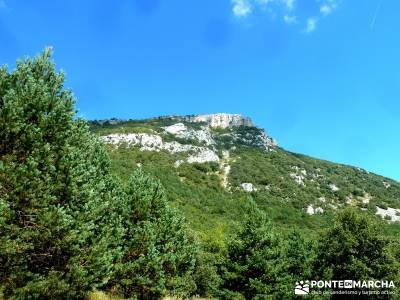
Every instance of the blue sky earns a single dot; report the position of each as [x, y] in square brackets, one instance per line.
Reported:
[321, 76]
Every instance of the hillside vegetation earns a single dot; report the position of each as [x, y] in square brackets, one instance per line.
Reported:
[293, 189]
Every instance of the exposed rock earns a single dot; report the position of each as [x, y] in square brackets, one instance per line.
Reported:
[333, 187]
[225, 169]
[298, 178]
[151, 142]
[142, 139]
[204, 155]
[258, 138]
[248, 187]
[176, 128]
[178, 163]
[391, 212]
[145, 141]
[386, 184]
[181, 131]
[311, 210]
[222, 120]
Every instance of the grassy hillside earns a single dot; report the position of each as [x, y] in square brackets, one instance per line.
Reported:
[286, 185]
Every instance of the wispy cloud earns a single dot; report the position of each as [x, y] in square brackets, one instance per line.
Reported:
[290, 19]
[311, 25]
[328, 6]
[241, 8]
[373, 21]
[289, 4]
[286, 10]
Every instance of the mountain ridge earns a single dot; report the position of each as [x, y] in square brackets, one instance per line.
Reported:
[226, 156]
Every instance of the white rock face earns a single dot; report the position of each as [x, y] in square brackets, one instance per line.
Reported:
[391, 212]
[386, 184]
[204, 155]
[248, 187]
[222, 120]
[311, 210]
[143, 139]
[181, 131]
[176, 128]
[333, 187]
[152, 142]
[299, 175]
[298, 178]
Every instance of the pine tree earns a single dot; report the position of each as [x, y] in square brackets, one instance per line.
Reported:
[158, 255]
[59, 227]
[252, 267]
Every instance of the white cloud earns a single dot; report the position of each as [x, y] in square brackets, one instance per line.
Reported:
[290, 19]
[286, 10]
[241, 8]
[311, 25]
[328, 7]
[289, 4]
[325, 9]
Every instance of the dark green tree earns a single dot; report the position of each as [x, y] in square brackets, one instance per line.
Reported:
[159, 256]
[355, 248]
[59, 226]
[296, 264]
[252, 267]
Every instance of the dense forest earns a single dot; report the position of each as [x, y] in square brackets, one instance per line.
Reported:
[79, 221]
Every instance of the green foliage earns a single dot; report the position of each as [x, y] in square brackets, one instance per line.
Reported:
[67, 226]
[252, 266]
[158, 255]
[297, 263]
[59, 232]
[355, 247]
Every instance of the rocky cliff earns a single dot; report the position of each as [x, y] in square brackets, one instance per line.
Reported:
[222, 120]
